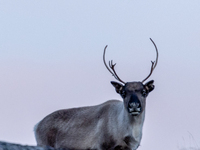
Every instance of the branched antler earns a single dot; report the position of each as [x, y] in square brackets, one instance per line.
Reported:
[153, 63]
[112, 67]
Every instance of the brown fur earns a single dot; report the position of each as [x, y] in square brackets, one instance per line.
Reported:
[108, 126]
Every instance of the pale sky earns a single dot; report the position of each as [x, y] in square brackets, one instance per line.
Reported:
[51, 58]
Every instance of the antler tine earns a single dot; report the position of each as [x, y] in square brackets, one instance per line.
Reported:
[105, 60]
[153, 63]
[112, 66]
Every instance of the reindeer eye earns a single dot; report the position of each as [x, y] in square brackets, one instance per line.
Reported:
[144, 93]
[123, 94]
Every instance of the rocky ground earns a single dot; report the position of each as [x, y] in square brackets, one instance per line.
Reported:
[11, 146]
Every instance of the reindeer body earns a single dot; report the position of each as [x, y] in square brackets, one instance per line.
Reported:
[105, 126]
[113, 125]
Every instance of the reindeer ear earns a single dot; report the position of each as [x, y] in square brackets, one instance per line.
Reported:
[149, 86]
[118, 86]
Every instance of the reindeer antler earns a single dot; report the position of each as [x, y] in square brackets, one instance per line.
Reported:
[112, 66]
[153, 63]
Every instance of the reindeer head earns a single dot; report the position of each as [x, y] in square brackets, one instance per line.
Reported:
[133, 93]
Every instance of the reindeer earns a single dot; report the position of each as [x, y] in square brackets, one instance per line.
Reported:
[113, 125]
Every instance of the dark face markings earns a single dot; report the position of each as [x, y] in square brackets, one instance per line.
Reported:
[134, 100]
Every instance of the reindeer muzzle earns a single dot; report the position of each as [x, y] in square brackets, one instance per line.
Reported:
[134, 106]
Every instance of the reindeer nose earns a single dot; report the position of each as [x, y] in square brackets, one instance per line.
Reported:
[134, 102]
[134, 105]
